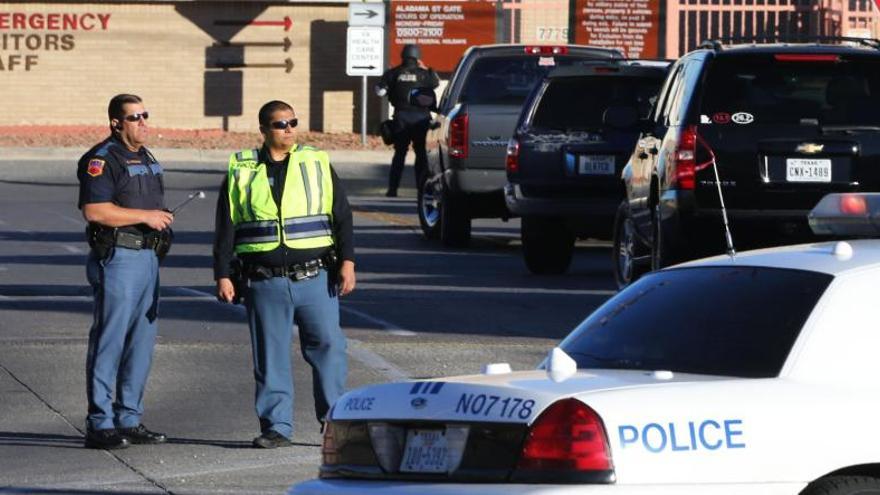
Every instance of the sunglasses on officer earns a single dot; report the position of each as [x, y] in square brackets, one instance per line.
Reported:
[135, 117]
[284, 124]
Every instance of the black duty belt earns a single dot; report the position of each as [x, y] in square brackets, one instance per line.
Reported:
[298, 271]
[133, 240]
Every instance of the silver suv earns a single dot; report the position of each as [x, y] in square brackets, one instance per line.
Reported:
[476, 116]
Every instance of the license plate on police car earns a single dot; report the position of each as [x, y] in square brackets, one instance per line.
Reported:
[596, 165]
[425, 452]
[807, 170]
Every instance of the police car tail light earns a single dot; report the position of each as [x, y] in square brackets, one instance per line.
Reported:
[458, 136]
[329, 452]
[685, 159]
[567, 436]
[512, 156]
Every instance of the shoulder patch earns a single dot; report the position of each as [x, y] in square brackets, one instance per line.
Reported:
[96, 167]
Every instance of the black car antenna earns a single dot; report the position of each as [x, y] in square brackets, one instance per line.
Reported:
[728, 237]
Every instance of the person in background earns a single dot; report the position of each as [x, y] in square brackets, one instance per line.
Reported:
[411, 122]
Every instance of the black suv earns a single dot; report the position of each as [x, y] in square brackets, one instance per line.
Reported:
[476, 116]
[573, 138]
[780, 125]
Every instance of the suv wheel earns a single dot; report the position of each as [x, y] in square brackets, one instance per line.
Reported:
[843, 485]
[455, 224]
[629, 255]
[429, 205]
[547, 245]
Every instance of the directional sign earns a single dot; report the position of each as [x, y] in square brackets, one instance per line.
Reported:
[286, 23]
[286, 44]
[287, 65]
[366, 14]
[364, 52]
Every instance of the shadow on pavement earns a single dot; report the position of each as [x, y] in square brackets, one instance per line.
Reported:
[12, 490]
[18, 439]
[227, 444]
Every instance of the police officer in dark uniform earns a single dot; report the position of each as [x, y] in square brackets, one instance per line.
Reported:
[122, 197]
[411, 122]
[283, 214]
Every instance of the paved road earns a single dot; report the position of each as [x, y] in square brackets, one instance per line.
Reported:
[419, 311]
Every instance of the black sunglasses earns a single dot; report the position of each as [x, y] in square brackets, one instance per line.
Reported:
[137, 116]
[284, 124]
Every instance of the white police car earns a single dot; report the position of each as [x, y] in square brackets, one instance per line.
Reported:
[757, 374]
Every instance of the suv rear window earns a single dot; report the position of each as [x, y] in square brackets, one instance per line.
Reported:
[805, 92]
[508, 80]
[727, 321]
[578, 103]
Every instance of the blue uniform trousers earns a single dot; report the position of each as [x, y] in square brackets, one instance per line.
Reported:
[126, 290]
[273, 306]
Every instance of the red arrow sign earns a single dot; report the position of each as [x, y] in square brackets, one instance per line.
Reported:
[286, 23]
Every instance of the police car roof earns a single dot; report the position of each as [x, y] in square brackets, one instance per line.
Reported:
[818, 257]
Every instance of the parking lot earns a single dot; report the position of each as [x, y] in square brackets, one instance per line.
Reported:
[419, 310]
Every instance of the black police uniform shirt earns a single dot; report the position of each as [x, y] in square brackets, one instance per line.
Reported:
[402, 79]
[111, 173]
[224, 235]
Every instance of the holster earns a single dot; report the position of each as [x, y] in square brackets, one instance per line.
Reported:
[239, 280]
[163, 245]
[100, 239]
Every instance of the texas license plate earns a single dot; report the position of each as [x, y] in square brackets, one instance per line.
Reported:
[596, 165]
[807, 170]
[425, 452]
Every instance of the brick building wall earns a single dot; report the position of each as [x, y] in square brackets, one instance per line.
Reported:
[60, 62]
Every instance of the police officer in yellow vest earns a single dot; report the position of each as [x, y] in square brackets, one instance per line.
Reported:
[282, 212]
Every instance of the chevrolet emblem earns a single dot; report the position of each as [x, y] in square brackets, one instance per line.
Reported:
[809, 148]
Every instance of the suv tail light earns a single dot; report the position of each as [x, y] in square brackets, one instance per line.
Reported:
[806, 57]
[546, 50]
[512, 163]
[458, 136]
[567, 441]
[685, 159]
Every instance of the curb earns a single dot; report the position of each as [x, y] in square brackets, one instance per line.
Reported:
[218, 157]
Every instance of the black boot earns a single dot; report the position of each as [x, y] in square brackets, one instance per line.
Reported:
[109, 439]
[141, 435]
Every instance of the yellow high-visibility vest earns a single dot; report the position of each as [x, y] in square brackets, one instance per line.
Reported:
[306, 216]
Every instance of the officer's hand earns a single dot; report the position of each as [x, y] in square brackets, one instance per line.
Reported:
[225, 290]
[346, 278]
[158, 219]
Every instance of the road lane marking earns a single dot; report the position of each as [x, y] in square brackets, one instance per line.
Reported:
[484, 290]
[73, 249]
[381, 216]
[355, 348]
[387, 326]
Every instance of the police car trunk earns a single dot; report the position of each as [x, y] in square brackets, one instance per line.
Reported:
[753, 374]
